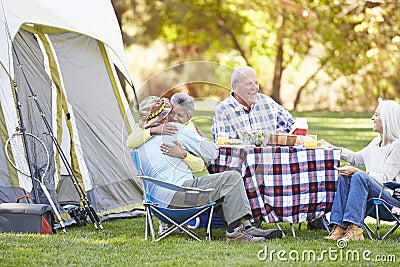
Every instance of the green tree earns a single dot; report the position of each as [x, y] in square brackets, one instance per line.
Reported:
[358, 43]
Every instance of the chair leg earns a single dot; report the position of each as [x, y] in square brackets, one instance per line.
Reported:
[279, 227]
[326, 225]
[391, 230]
[378, 226]
[210, 219]
[176, 226]
[293, 232]
[146, 231]
[151, 225]
[369, 231]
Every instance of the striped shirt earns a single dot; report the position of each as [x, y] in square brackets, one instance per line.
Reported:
[233, 118]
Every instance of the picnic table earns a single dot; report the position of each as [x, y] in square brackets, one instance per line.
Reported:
[283, 183]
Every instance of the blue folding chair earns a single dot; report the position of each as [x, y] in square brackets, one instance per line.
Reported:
[379, 209]
[177, 217]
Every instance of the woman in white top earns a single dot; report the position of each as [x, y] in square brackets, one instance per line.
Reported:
[381, 158]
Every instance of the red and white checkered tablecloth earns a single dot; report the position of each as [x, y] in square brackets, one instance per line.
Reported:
[284, 184]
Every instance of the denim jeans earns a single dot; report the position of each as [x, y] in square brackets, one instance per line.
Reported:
[352, 194]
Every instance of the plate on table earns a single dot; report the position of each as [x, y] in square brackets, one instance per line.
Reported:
[322, 146]
[232, 142]
[231, 146]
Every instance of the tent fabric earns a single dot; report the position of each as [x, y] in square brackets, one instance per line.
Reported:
[27, 53]
[95, 18]
[64, 55]
[103, 120]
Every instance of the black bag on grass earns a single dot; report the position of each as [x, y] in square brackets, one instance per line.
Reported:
[26, 218]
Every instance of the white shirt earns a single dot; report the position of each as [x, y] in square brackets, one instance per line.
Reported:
[381, 163]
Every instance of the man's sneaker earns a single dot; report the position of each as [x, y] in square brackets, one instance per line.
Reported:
[336, 233]
[162, 227]
[353, 233]
[241, 237]
[267, 234]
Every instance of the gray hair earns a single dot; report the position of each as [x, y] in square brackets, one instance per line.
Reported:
[238, 74]
[183, 100]
[389, 111]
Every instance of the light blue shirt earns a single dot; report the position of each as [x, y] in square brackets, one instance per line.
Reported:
[174, 170]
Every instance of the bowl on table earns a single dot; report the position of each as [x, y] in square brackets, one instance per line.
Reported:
[291, 140]
[277, 139]
[282, 140]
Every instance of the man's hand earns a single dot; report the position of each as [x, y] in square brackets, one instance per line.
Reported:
[176, 151]
[164, 128]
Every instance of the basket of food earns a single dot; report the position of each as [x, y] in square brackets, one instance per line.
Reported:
[282, 139]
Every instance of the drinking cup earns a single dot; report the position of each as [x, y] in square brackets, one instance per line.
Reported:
[310, 142]
[222, 139]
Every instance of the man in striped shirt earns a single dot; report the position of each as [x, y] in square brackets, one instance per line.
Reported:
[248, 110]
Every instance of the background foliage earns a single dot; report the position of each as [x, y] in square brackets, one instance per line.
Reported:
[317, 54]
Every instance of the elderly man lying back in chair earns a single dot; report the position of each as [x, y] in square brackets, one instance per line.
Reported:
[229, 188]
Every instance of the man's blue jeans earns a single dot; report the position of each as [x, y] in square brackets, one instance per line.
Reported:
[352, 194]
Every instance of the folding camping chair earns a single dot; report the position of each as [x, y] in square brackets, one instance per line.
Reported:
[381, 210]
[178, 218]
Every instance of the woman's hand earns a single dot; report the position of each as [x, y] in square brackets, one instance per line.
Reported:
[176, 151]
[164, 128]
[324, 143]
[347, 170]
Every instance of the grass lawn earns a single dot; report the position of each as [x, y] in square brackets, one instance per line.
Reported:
[122, 243]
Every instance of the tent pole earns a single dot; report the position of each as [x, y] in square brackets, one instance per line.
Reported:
[85, 201]
[21, 128]
[134, 93]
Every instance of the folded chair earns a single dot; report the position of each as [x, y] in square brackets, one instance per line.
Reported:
[381, 210]
[177, 217]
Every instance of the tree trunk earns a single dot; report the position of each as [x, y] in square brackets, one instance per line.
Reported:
[235, 41]
[276, 84]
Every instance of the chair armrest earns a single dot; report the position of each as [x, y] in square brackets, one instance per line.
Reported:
[392, 185]
[174, 187]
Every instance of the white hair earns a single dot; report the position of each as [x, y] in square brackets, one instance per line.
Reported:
[183, 100]
[389, 111]
[239, 73]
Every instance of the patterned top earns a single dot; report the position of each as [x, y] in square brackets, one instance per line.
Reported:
[233, 118]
